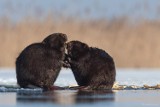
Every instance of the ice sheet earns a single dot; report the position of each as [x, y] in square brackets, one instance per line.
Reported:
[128, 77]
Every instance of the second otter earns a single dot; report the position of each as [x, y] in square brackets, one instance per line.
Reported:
[92, 67]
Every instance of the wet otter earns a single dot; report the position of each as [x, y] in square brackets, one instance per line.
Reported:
[92, 67]
[39, 63]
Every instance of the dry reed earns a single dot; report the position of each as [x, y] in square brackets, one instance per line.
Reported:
[131, 45]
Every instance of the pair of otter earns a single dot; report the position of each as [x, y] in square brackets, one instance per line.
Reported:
[40, 63]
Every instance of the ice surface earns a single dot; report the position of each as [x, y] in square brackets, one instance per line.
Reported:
[8, 82]
[137, 77]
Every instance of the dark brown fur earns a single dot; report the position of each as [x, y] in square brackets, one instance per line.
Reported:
[39, 63]
[91, 67]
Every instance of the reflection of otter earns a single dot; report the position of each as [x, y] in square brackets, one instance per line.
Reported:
[69, 98]
[91, 67]
[57, 97]
[39, 63]
[94, 96]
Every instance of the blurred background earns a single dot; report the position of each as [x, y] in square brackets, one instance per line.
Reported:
[129, 30]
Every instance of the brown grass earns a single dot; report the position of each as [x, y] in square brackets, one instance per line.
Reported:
[131, 45]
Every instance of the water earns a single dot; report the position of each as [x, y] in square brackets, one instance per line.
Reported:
[15, 97]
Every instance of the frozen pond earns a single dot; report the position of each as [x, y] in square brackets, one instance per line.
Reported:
[75, 98]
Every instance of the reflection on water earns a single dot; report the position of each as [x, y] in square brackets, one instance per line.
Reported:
[94, 96]
[66, 97]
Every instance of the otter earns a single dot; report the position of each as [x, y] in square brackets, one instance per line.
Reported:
[40, 63]
[93, 68]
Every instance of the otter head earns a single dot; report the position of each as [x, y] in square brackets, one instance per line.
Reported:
[77, 49]
[55, 40]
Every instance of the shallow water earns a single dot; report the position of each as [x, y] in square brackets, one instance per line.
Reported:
[13, 97]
